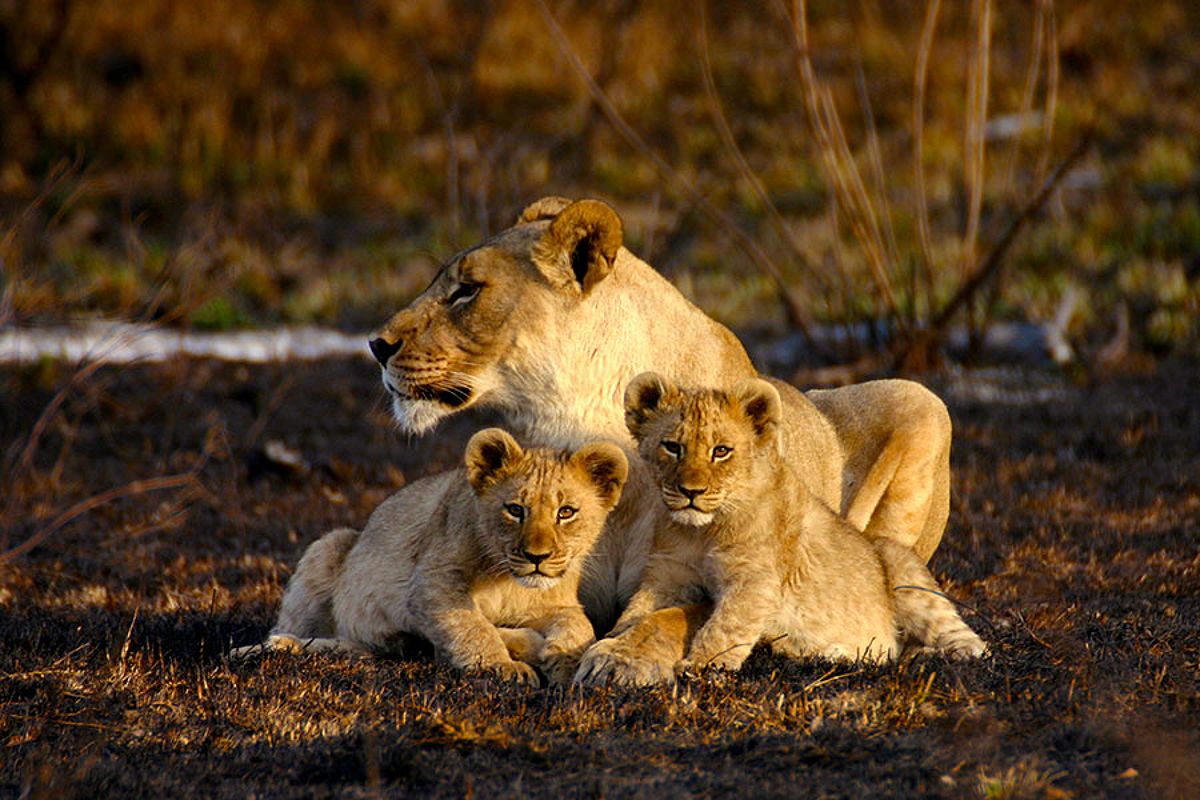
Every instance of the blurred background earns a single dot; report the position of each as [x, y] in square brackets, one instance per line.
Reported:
[882, 178]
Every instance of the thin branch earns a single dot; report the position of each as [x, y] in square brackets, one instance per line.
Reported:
[1028, 92]
[875, 161]
[920, 82]
[976, 149]
[727, 138]
[840, 166]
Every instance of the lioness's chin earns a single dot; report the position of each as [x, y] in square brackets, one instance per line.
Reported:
[421, 416]
[691, 516]
[537, 580]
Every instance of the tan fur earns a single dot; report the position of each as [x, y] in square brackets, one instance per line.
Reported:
[550, 319]
[484, 562]
[741, 529]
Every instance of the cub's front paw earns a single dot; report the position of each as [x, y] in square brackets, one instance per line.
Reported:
[724, 662]
[609, 661]
[517, 672]
[559, 667]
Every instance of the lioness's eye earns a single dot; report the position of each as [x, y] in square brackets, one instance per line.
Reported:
[721, 452]
[673, 449]
[565, 513]
[515, 510]
[464, 293]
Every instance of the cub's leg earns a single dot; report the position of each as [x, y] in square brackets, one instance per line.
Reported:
[748, 598]
[523, 644]
[646, 651]
[448, 617]
[656, 627]
[922, 612]
[567, 633]
[306, 613]
[896, 437]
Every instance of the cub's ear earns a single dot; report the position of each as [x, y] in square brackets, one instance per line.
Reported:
[580, 246]
[546, 208]
[643, 396]
[760, 402]
[488, 452]
[607, 467]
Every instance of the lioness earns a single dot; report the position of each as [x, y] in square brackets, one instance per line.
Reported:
[741, 529]
[550, 319]
[483, 562]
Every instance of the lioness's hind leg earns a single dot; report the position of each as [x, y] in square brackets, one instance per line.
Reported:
[923, 613]
[896, 438]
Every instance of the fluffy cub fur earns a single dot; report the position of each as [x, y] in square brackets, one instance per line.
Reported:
[740, 529]
[483, 562]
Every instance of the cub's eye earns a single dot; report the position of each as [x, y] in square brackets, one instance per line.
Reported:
[673, 449]
[565, 513]
[464, 293]
[721, 452]
[515, 510]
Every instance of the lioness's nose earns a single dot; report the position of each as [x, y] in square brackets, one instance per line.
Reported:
[692, 492]
[382, 349]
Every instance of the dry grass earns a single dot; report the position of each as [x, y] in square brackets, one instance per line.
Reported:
[1073, 536]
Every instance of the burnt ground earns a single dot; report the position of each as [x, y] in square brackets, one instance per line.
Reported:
[1073, 540]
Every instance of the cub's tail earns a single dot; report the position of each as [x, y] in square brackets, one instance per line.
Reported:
[306, 612]
[923, 613]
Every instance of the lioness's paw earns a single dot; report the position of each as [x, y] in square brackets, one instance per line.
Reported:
[517, 672]
[608, 662]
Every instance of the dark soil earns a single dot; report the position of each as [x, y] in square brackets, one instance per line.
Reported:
[1072, 541]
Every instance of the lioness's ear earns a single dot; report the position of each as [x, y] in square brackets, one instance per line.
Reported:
[607, 466]
[546, 208]
[643, 396]
[761, 404]
[487, 454]
[581, 244]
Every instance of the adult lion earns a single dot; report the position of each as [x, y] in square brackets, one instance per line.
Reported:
[549, 320]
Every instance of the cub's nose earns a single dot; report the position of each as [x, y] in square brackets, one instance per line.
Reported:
[382, 349]
[534, 558]
[691, 492]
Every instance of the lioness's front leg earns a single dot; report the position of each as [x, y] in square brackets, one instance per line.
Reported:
[568, 634]
[451, 621]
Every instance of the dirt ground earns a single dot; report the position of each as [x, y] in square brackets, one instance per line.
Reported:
[1072, 543]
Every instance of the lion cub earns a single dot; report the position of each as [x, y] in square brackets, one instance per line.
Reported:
[483, 562]
[743, 531]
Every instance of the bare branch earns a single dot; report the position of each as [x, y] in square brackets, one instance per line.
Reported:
[84, 506]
